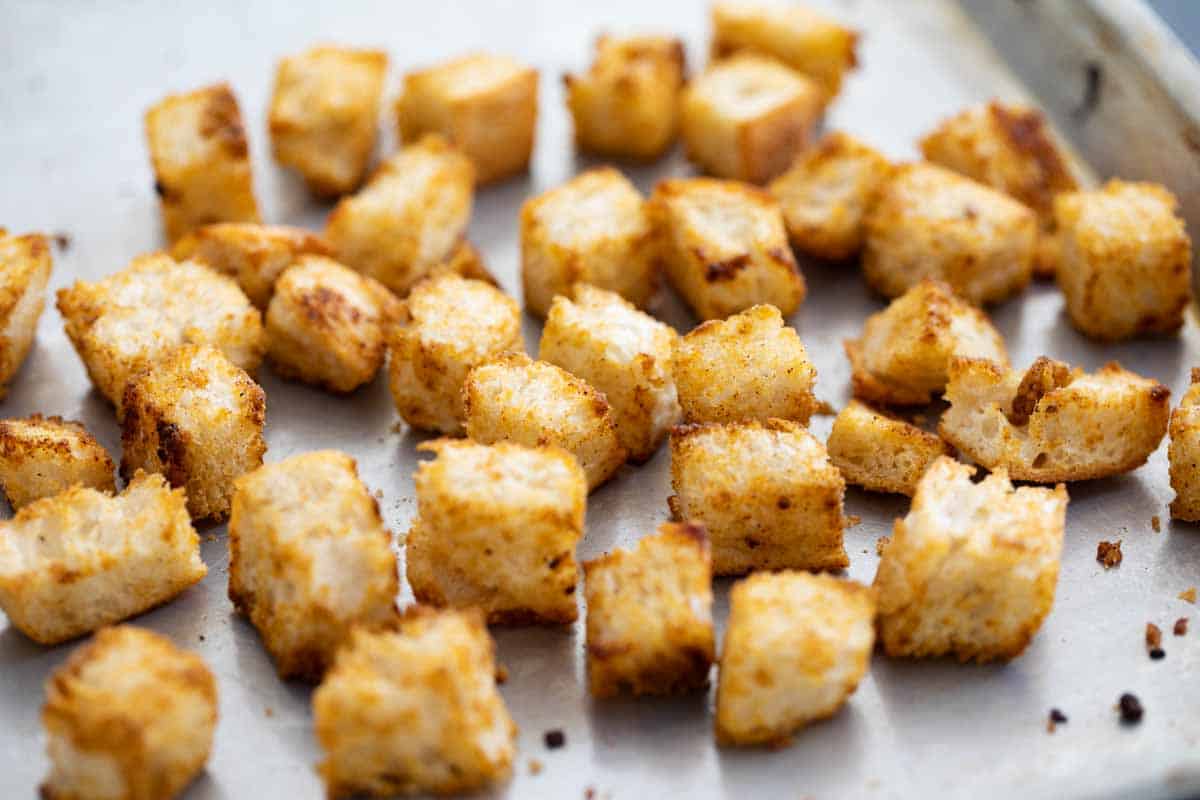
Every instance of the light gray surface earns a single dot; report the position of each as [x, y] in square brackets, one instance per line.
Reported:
[74, 80]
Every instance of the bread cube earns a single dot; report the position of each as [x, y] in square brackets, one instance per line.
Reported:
[881, 453]
[765, 491]
[128, 716]
[624, 353]
[487, 105]
[1051, 423]
[309, 558]
[409, 219]
[971, 570]
[749, 366]
[748, 117]
[514, 398]
[201, 160]
[415, 710]
[1125, 260]
[627, 104]
[1183, 453]
[325, 113]
[929, 222]
[496, 529]
[593, 229]
[25, 265]
[83, 559]
[43, 456]
[649, 615]
[724, 247]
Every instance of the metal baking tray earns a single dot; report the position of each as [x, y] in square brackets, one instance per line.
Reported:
[76, 76]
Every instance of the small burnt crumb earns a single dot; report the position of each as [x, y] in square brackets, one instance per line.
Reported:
[501, 673]
[1055, 719]
[783, 503]
[555, 739]
[535, 767]
[589, 793]
[1153, 635]
[1109, 554]
[1157, 653]
[159, 189]
[62, 241]
[1130, 708]
[1180, 628]
[1155, 523]
[1188, 595]
[202, 636]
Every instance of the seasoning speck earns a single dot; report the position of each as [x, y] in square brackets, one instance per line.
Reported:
[1056, 718]
[62, 240]
[535, 767]
[1153, 635]
[1180, 628]
[555, 739]
[1157, 653]
[1156, 523]
[1130, 708]
[1109, 554]
[1188, 595]
[270, 712]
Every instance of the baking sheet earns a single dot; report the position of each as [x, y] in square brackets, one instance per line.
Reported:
[75, 78]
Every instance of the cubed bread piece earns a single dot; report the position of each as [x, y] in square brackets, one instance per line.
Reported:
[624, 353]
[971, 570]
[1183, 452]
[25, 265]
[1071, 427]
[83, 559]
[749, 366]
[627, 104]
[496, 529]
[881, 453]
[43, 456]
[196, 419]
[825, 195]
[796, 646]
[748, 117]
[129, 716]
[201, 160]
[309, 558]
[649, 615]
[325, 113]
[487, 105]
[765, 491]
[409, 219]
[415, 710]
[929, 222]
[903, 356]
[724, 246]
[514, 398]
[593, 229]
[1124, 260]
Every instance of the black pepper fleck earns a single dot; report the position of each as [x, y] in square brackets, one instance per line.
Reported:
[1131, 709]
[1157, 653]
[1057, 716]
[555, 739]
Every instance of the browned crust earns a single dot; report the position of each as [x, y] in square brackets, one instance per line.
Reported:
[867, 386]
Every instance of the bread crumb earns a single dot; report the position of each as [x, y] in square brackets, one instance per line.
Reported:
[501, 673]
[853, 520]
[555, 739]
[1188, 595]
[1153, 635]
[824, 409]
[270, 712]
[62, 241]
[1181, 626]
[881, 543]
[1155, 523]
[1130, 708]
[1055, 719]
[535, 767]
[1109, 554]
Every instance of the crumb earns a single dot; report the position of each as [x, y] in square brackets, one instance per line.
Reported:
[1109, 554]
[62, 241]
[1130, 708]
[270, 712]
[379, 494]
[555, 739]
[397, 427]
[1157, 653]
[1180, 628]
[501, 673]
[202, 636]
[1188, 594]
[1155, 523]
[825, 409]
[852, 520]
[589, 793]
[1153, 635]
[881, 543]
[535, 767]
[1056, 718]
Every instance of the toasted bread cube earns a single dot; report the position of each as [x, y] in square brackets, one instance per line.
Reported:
[201, 160]
[309, 558]
[415, 710]
[1125, 260]
[496, 529]
[971, 570]
[748, 117]
[749, 366]
[593, 229]
[1183, 453]
[903, 356]
[765, 491]
[325, 114]
[83, 559]
[881, 453]
[487, 105]
[724, 247]
[514, 398]
[25, 265]
[929, 222]
[627, 104]
[129, 716]
[43, 456]
[649, 615]
[796, 646]
[624, 353]
[1073, 428]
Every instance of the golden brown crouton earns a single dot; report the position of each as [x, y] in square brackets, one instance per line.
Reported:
[25, 265]
[1184, 453]
[881, 453]
[43, 456]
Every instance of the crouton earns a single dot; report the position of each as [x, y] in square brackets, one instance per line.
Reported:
[627, 104]
[80, 560]
[749, 366]
[1183, 453]
[748, 117]
[128, 716]
[514, 398]
[1088, 426]
[43, 456]
[415, 710]
[25, 265]
[325, 113]
[796, 646]
[201, 160]
[487, 105]
[592, 229]
[622, 352]
[765, 491]
[649, 615]
[496, 529]
[409, 219]
[929, 222]
[1124, 260]
[724, 247]
[881, 453]
[971, 570]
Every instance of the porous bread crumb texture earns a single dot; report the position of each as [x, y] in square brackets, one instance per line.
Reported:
[43, 456]
[25, 264]
[1183, 453]
[881, 453]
